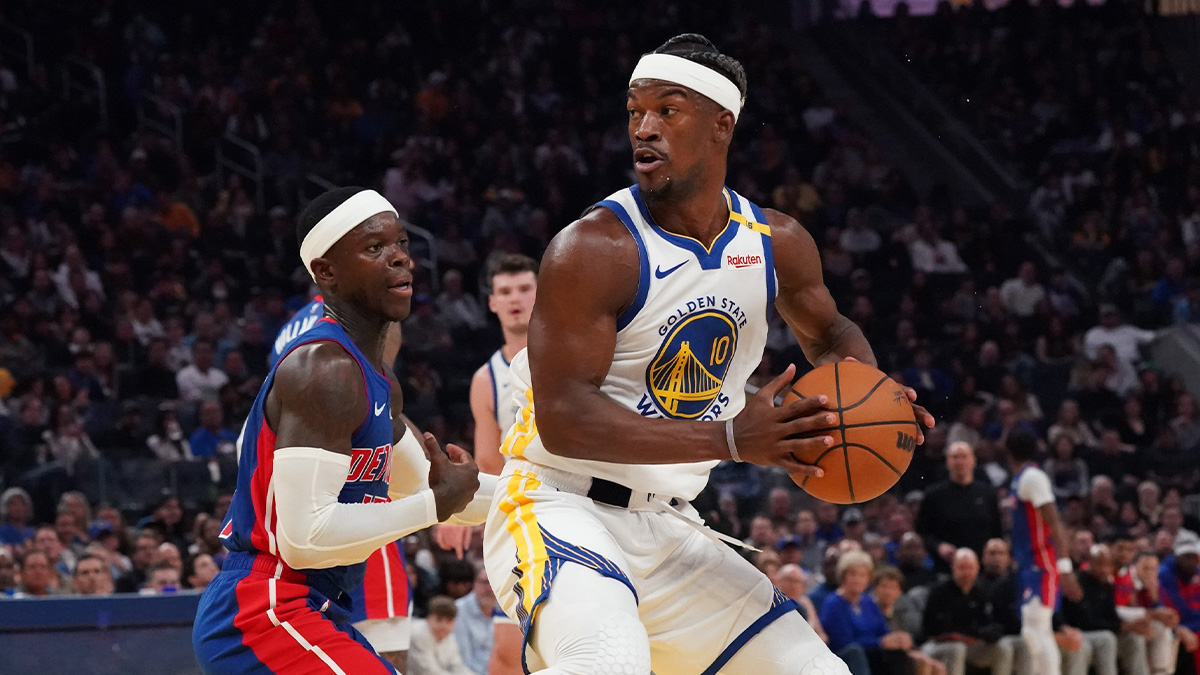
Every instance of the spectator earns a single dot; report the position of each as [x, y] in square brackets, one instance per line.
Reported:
[1096, 615]
[1023, 295]
[854, 524]
[199, 571]
[933, 255]
[16, 509]
[461, 310]
[473, 628]
[1186, 423]
[434, 650]
[1112, 459]
[1187, 307]
[161, 578]
[914, 562]
[829, 530]
[1070, 424]
[958, 619]
[829, 580]
[145, 546]
[8, 573]
[960, 512]
[968, 427]
[902, 616]
[792, 581]
[62, 558]
[92, 576]
[67, 441]
[212, 438]
[167, 521]
[1179, 583]
[38, 578]
[850, 616]
[1125, 339]
[810, 546]
[200, 380]
[1068, 473]
[1137, 595]
[155, 379]
[762, 533]
[168, 442]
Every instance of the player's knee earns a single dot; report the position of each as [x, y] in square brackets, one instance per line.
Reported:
[618, 646]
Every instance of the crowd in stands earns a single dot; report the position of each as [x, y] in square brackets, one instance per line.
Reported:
[141, 289]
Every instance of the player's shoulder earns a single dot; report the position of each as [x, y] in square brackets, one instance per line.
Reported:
[482, 375]
[324, 361]
[597, 228]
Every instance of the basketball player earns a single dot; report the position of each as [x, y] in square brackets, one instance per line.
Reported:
[382, 602]
[513, 284]
[1040, 573]
[651, 314]
[327, 474]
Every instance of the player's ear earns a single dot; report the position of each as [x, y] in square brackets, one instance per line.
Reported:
[723, 127]
[322, 270]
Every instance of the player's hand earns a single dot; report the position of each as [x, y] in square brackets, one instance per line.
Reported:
[1187, 638]
[896, 640]
[1069, 639]
[455, 538]
[1071, 588]
[1166, 616]
[922, 414]
[453, 477]
[771, 435]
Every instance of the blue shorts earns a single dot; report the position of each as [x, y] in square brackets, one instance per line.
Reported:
[1036, 583]
[260, 622]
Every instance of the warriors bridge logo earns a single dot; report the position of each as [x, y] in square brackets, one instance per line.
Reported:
[685, 377]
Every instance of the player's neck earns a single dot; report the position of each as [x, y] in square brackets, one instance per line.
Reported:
[366, 332]
[701, 216]
[513, 343]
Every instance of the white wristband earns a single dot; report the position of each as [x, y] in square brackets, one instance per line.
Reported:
[1065, 566]
[733, 453]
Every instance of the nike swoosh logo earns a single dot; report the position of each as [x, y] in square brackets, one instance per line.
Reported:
[659, 273]
[379, 409]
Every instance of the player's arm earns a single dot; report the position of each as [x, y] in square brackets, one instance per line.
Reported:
[314, 426]
[589, 276]
[1035, 488]
[488, 433]
[804, 302]
[420, 465]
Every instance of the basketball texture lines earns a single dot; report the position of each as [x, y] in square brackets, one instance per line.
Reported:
[873, 440]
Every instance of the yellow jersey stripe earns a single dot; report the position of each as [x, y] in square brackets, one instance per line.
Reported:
[522, 525]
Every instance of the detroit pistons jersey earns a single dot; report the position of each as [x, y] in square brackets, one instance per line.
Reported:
[306, 317]
[502, 399]
[690, 339]
[251, 524]
[1037, 568]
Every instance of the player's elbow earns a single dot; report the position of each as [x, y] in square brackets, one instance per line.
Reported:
[563, 429]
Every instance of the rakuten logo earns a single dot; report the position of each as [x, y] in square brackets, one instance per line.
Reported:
[743, 260]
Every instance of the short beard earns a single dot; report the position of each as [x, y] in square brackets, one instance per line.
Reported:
[675, 191]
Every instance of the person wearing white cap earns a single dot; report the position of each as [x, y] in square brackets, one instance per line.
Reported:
[651, 316]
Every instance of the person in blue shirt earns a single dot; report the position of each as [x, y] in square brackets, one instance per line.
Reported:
[850, 616]
[212, 437]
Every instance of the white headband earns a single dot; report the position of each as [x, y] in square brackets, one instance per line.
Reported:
[347, 216]
[702, 79]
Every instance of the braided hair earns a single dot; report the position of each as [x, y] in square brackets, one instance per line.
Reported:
[699, 49]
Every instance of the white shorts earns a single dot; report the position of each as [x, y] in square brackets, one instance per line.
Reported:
[387, 635]
[695, 596]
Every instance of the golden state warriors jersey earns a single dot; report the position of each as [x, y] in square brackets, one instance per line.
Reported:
[685, 347]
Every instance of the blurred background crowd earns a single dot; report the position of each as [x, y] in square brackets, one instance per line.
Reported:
[143, 277]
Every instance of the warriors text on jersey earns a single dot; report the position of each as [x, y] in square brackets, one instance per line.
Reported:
[250, 526]
[686, 346]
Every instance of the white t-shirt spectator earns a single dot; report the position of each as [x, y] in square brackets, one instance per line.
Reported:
[1125, 340]
[197, 386]
[1021, 298]
[937, 257]
[427, 656]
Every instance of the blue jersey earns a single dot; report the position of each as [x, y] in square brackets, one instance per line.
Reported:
[305, 318]
[1037, 568]
[251, 524]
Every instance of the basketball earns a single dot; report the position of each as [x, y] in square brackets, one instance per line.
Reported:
[874, 440]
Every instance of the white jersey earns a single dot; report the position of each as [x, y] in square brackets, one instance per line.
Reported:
[502, 400]
[685, 347]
